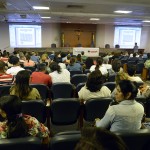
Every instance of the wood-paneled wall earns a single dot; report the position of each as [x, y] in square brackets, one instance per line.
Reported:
[85, 38]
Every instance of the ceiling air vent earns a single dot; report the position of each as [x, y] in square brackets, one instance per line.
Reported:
[23, 16]
[75, 6]
[138, 20]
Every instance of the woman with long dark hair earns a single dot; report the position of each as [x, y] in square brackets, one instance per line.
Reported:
[16, 124]
[94, 87]
[22, 88]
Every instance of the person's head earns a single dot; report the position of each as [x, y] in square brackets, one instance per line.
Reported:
[28, 57]
[79, 57]
[131, 69]
[116, 65]
[126, 90]
[22, 81]
[89, 62]
[10, 109]
[42, 67]
[82, 53]
[2, 66]
[14, 60]
[134, 54]
[68, 57]
[55, 67]
[135, 44]
[99, 62]
[99, 139]
[72, 61]
[121, 76]
[94, 81]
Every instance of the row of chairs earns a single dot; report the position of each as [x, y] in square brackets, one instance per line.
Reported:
[135, 140]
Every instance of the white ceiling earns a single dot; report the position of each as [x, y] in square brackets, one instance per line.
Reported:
[76, 11]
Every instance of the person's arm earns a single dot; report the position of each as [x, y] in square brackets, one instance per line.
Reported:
[107, 120]
[37, 129]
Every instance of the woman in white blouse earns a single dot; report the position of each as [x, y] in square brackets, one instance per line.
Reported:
[94, 87]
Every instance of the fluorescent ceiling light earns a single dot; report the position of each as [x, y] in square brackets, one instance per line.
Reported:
[122, 11]
[146, 21]
[94, 19]
[45, 17]
[41, 7]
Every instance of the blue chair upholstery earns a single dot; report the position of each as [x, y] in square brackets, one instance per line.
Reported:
[25, 143]
[136, 140]
[96, 108]
[62, 90]
[110, 85]
[35, 108]
[78, 78]
[65, 111]
[4, 90]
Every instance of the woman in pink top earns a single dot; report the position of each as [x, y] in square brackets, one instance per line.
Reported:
[29, 62]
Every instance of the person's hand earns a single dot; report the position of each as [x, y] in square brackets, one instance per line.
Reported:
[96, 120]
[143, 88]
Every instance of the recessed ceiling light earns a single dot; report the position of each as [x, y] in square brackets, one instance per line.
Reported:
[45, 17]
[122, 11]
[41, 7]
[146, 21]
[94, 19]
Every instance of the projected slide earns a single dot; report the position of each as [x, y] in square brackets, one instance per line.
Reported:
[25, 35]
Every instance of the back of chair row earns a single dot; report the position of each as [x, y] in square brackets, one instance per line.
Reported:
[135, 140]
[68, 111]
[25, 143]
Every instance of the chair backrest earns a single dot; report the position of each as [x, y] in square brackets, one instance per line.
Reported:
[96, 108]
[110, 85]
[32, 69]
[139, 68]
[62, 90]
[25, 143]
[78, 78]
[136, 140]
[111, 78]
[4, 90]
[65, 111]
[35, 108]
[75, 72]
[43, 90]
[86, 71]
[147, 108]
[65, 141]
[79, 86]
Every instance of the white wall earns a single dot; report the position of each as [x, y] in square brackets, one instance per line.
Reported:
[105, 35]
